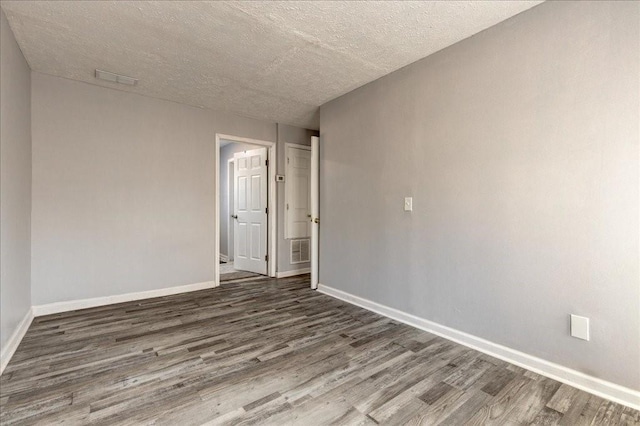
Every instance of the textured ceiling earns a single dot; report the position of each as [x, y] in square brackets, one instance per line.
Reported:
[270, 60]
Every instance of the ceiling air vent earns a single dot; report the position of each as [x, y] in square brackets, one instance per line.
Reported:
[116, 78]
[300, 251]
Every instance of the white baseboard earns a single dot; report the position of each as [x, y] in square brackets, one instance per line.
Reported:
[12, 344]
[73, 305]
[293, 273]
[577, 379]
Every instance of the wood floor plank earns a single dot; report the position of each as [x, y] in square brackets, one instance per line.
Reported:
[630, 417]
[534, 399]
[562, 399]
[495, 412]
[590, 410]
[547, 416]
[269, 351]
[572, 414]
[467, 410]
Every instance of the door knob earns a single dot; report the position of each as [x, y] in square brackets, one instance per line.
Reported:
[235, 216]
[316, 220]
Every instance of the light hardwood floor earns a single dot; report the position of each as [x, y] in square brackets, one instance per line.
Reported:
[269, 352]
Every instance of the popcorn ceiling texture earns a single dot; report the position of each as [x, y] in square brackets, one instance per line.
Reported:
[277, 61]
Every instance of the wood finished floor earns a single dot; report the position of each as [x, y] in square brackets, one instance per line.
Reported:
[269, 352]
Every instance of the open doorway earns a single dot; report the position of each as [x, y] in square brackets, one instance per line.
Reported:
[246, 215]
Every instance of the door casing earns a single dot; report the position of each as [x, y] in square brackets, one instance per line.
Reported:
[315, 212]
[272, 203]
[229, 212]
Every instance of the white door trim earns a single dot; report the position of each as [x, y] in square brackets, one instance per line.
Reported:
[272, 204]
[297, 145]
[229, 212]
[315, 211]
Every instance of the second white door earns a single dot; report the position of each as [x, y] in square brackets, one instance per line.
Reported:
[250, 211]
[297, 201]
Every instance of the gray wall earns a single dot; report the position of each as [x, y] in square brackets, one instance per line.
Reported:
[520, 146]
[15, 184]
[226, 153]
[123, 190]
[297, 135]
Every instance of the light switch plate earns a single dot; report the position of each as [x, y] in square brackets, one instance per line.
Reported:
[408, 204]
[580, 327]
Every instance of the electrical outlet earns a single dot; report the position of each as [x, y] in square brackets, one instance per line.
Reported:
[408, 204]
[580, 327]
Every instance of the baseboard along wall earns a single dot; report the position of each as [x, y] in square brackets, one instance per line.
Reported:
[74, 305]
[577, 379]
[594, 385]
[293, 273]
[15, 339]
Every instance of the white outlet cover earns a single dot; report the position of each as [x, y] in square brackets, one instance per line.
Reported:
[408, 204]
[580, 327]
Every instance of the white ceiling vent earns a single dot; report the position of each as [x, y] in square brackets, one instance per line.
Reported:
[116, 78]
[300, 251]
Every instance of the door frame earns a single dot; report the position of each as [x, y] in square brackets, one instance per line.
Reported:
[230, 186]
[272, 204]
[315, 211]
[286, 191]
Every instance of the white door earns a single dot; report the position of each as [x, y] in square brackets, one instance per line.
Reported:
[298, 193]
[315, 210]
[250, 207]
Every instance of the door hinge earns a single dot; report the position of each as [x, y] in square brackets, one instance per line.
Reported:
[287, 206]
[266, 210]
[266, 163]
[266, 257]
[287, 160]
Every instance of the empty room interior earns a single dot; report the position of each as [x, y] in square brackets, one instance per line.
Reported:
[320, 212]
